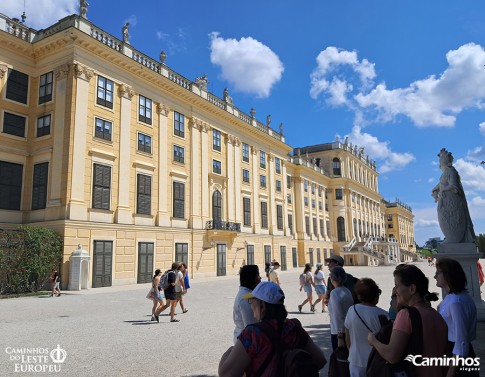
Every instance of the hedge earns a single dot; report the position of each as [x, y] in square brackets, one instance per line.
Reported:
[27, 257]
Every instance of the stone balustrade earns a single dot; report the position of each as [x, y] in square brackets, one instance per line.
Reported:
[105, 38]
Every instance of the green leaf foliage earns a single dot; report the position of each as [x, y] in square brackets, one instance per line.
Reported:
[28, 256]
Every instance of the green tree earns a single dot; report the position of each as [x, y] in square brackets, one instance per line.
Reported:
[480, 242]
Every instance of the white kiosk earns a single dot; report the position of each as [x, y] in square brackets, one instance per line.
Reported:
[79, 269]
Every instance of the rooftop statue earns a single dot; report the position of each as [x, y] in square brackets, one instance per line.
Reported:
[125, 32]
[453, 215]
[83, 8]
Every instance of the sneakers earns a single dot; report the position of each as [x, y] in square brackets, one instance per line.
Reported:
[174, 320]
[299, 308]
[153, 318]
[185, 311]
[157, 318]
[312, 308]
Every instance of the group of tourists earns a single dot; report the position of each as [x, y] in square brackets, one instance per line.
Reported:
[379, 342]
[168, 289]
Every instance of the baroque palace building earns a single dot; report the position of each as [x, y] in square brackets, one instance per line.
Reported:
[140, 166]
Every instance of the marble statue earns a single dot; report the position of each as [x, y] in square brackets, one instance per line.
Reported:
[202, 82]
[83, 8]
[281, 128]
[268, 120]
[226, 96]
[453, 215]
[125, 32]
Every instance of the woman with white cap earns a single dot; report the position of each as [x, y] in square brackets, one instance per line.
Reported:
[320, 287]
[255, 353]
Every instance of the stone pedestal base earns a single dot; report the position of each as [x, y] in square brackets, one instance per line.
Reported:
[468, 255]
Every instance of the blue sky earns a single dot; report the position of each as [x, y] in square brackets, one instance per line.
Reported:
[401, 78]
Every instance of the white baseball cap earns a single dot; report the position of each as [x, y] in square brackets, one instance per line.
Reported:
[267, 291]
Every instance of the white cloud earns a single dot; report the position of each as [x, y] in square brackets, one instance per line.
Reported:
[424, 223]
[173, 43]
[40, 13]
[472, 175]
[379, 150]
[250, 66]
[329, 63]
[431, 101]
[431, 180]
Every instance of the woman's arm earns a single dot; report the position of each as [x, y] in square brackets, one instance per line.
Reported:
[317, 354]
[347, 337]
[394, 351]
[234, 361]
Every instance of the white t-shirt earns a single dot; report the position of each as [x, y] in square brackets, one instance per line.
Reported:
[338, 304]
[242, 314]
[319, 278]
[359, 346]
[274, 276]
[178, 285]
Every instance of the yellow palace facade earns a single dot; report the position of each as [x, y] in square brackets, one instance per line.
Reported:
[141, 166]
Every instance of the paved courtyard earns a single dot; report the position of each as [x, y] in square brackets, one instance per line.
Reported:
[107, 331]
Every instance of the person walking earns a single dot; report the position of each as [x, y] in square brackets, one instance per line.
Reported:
[186, 285]
[360, 320]
[431, 337]
[274, 274]
[338, 305]
[459, 312]
[306, 284]
[56, 281]
[180, 287]
[158, 297]
[242, 314]
[334, 261]
[254, 353]
[320, 287]
[169, 293]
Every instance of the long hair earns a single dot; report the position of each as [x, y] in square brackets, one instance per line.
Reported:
[157, 271]
[453, 274]
[308, 267]
[275, 311]
[409, 274]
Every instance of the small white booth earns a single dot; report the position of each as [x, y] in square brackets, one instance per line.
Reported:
[79, 269]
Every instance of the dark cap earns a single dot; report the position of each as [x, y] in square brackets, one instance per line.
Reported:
[337, 259]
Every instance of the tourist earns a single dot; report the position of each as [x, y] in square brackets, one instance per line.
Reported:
[338, 304]
[186, 285]
[180, 287]
[274, 275]
[267, 269]
[350, 281]
[412, 291]
[320, 287]
[169, 293]
[56, 281]
[306, 284]
[242, 313]
[360, 320]
[254, 353]
[458, 310]
[157, 294]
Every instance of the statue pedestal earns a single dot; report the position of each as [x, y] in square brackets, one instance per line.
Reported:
[467, 254]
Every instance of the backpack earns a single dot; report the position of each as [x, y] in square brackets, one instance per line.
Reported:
[295, 362]
[378, 366]
[303, 279]
[163, 283]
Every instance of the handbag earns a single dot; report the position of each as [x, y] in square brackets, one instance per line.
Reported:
[150, 294]
[339, 363]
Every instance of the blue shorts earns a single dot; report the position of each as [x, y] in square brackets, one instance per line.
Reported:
[320, 289]
[160, 297]
[307, 288]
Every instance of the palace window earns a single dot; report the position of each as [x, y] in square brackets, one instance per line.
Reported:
[105, 92]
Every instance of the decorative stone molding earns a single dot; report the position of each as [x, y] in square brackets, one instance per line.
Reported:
[234, 140]
[3, 70]
[270, 157]
[254, 150]
[126, 91]
[83, 72]
[200, 125]
[61, 72]
[162, 109]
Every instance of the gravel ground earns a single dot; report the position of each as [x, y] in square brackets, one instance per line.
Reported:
[107, 331]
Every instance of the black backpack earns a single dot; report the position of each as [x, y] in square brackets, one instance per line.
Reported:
[163, 283]
[294, 362]
[377, 366]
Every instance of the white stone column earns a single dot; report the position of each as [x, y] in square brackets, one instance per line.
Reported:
[272, 194]
[231, 205]
[164, 184]
[124, 214]
[285, 198]
[61, 73]
[237, 181]
[255, 183]
[195, 174]
[206, 162]
[77, 207]
[299, 218]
